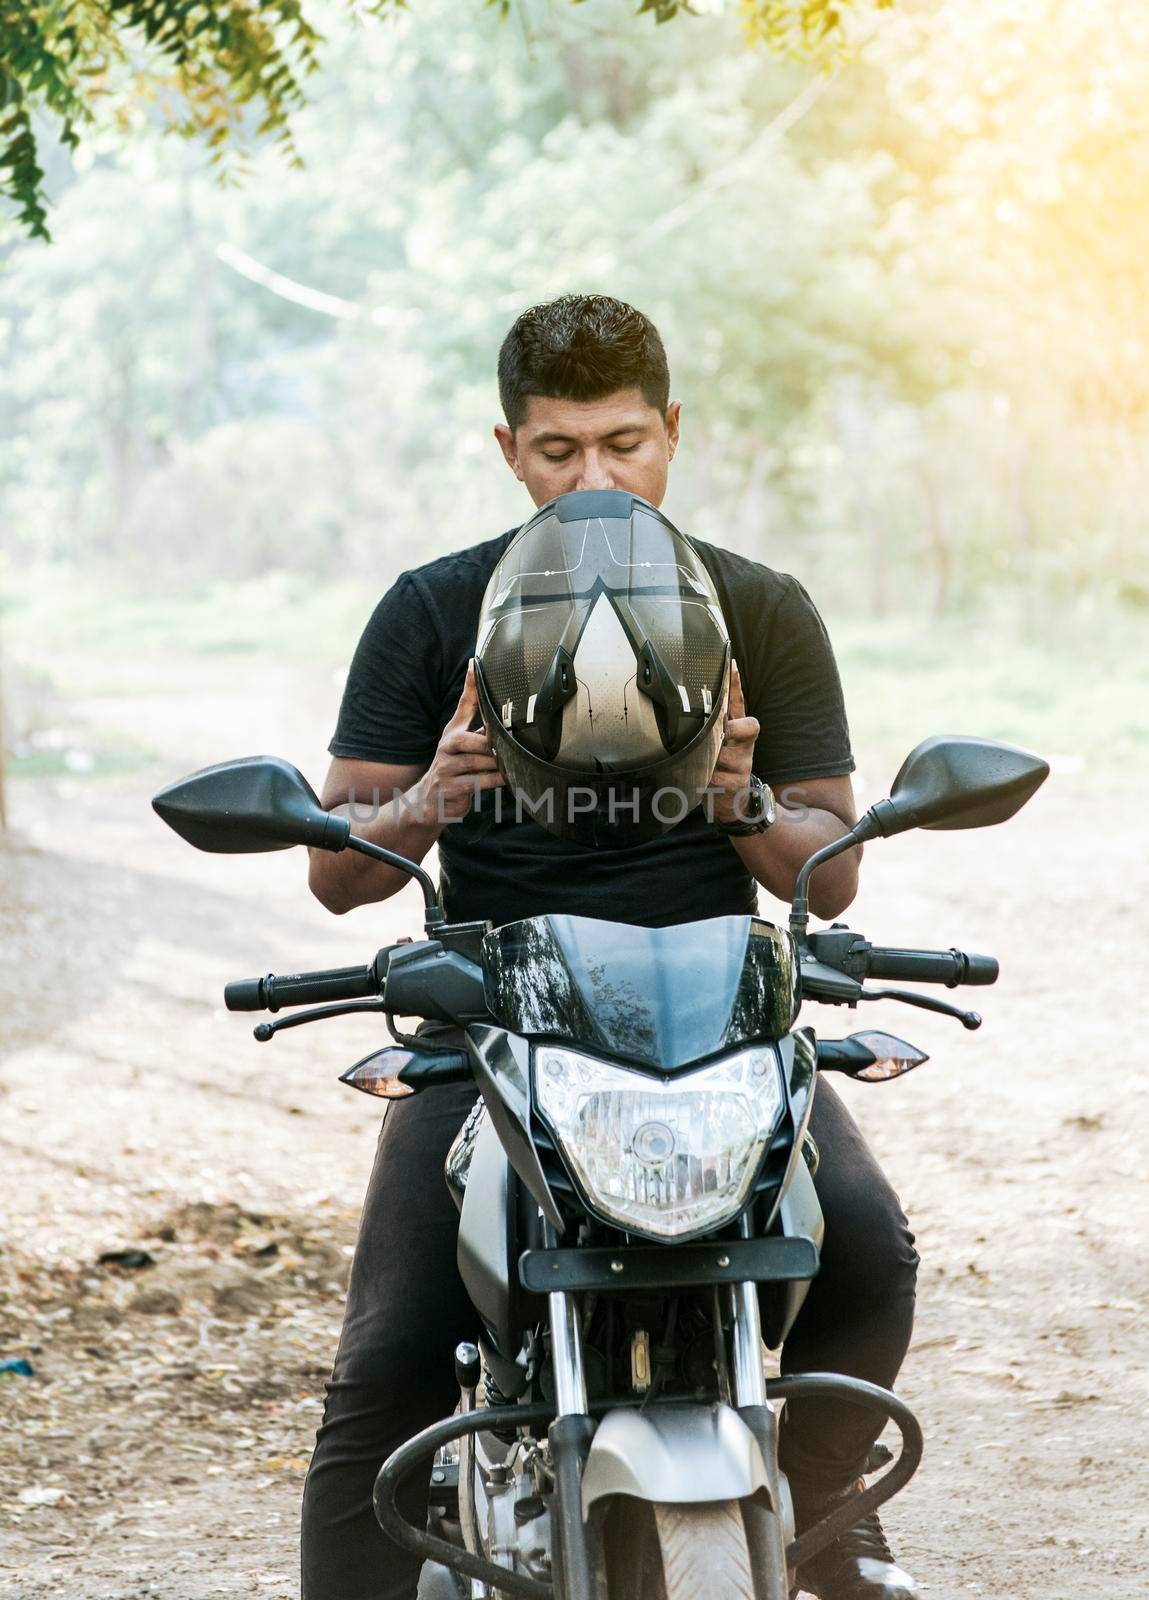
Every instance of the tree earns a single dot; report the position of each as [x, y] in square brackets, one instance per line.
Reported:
[903, 300]
[204, 65]
[228, 73]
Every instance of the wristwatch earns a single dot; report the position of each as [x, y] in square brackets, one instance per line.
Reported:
[759, 812]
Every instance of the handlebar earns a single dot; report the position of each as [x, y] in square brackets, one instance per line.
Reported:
[836, 962]
[840, 950]
[951, 967]
[440, 979]
[302, 988]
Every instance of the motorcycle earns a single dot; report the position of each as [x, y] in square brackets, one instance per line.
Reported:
[637, 1169]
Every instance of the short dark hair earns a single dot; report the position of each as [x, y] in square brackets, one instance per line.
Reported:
[581, 347]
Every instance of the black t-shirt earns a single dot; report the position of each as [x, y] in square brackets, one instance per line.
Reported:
[405, 681]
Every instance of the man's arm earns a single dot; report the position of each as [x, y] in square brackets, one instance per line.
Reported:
[402, 808]
[809, 814]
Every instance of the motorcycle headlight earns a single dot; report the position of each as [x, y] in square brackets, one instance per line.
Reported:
[668, 1159]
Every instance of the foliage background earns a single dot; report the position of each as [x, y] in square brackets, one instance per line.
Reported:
[903, 296]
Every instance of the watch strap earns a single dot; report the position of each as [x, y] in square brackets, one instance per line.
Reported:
[752, 825]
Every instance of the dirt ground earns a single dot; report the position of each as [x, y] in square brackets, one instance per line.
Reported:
[159, 1446]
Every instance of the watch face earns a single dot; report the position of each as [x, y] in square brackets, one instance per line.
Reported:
[760, 803]
[756, 812]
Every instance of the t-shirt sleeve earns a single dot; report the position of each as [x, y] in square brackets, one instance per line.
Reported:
[797, 696]
[392, 698]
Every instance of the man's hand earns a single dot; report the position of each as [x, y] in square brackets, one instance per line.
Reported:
[403, 808]
[735, 762]
[463, 764]
[810, 815]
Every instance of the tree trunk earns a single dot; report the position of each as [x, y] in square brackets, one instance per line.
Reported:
[855, 428]
[1022, 527]
[941, 555]
[751, 519]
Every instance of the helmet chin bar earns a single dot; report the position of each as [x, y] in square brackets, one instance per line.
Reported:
[529, 776]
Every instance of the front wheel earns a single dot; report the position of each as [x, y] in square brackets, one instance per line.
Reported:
[656, 1551]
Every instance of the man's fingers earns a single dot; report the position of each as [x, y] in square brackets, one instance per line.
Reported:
[460, 742]
[465, 784]
[735, 701]
[466, 710]
[740, 729]
[458, 764]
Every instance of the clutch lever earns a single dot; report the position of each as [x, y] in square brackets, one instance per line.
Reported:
[267, 1030]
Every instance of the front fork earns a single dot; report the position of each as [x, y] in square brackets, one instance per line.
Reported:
[766, 1530]
[569, 1437]
[747, 1377]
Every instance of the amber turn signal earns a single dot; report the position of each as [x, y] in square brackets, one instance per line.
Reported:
[381, 1073]
[892, 1056]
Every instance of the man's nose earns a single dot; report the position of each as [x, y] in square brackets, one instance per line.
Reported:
[595, 473]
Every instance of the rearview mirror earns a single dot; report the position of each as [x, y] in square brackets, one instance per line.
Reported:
[949, 781]
[254, 804]
[952, 781]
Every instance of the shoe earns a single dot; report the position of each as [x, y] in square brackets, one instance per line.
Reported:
[859, 1565]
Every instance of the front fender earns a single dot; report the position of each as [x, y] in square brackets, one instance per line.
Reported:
[676, 1454]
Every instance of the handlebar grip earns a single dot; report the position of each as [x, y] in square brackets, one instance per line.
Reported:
[301, 988]
[951, 967]
[246, 994]
[980, 969]
[914, 966]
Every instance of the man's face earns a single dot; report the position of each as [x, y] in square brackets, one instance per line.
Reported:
[620, 442]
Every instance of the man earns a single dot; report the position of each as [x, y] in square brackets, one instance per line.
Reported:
[585, 392]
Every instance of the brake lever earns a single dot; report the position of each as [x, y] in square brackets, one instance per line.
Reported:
[925, 1002]
[264, 1031]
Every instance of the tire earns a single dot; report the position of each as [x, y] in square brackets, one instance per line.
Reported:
[677, 1552]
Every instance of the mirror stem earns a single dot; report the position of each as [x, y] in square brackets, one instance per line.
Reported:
[434, 917]
[860, 833]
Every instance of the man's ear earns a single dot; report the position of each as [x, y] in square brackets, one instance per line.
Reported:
[507, 445]
[673, 414]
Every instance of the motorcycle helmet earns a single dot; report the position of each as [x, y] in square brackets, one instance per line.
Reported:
[602, 663]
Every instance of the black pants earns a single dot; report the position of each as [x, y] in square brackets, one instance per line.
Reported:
[407, 1309]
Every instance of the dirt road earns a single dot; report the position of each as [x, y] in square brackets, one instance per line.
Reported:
[159, 1447]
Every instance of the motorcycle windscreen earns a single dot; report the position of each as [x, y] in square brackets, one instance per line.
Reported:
[659, 997]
